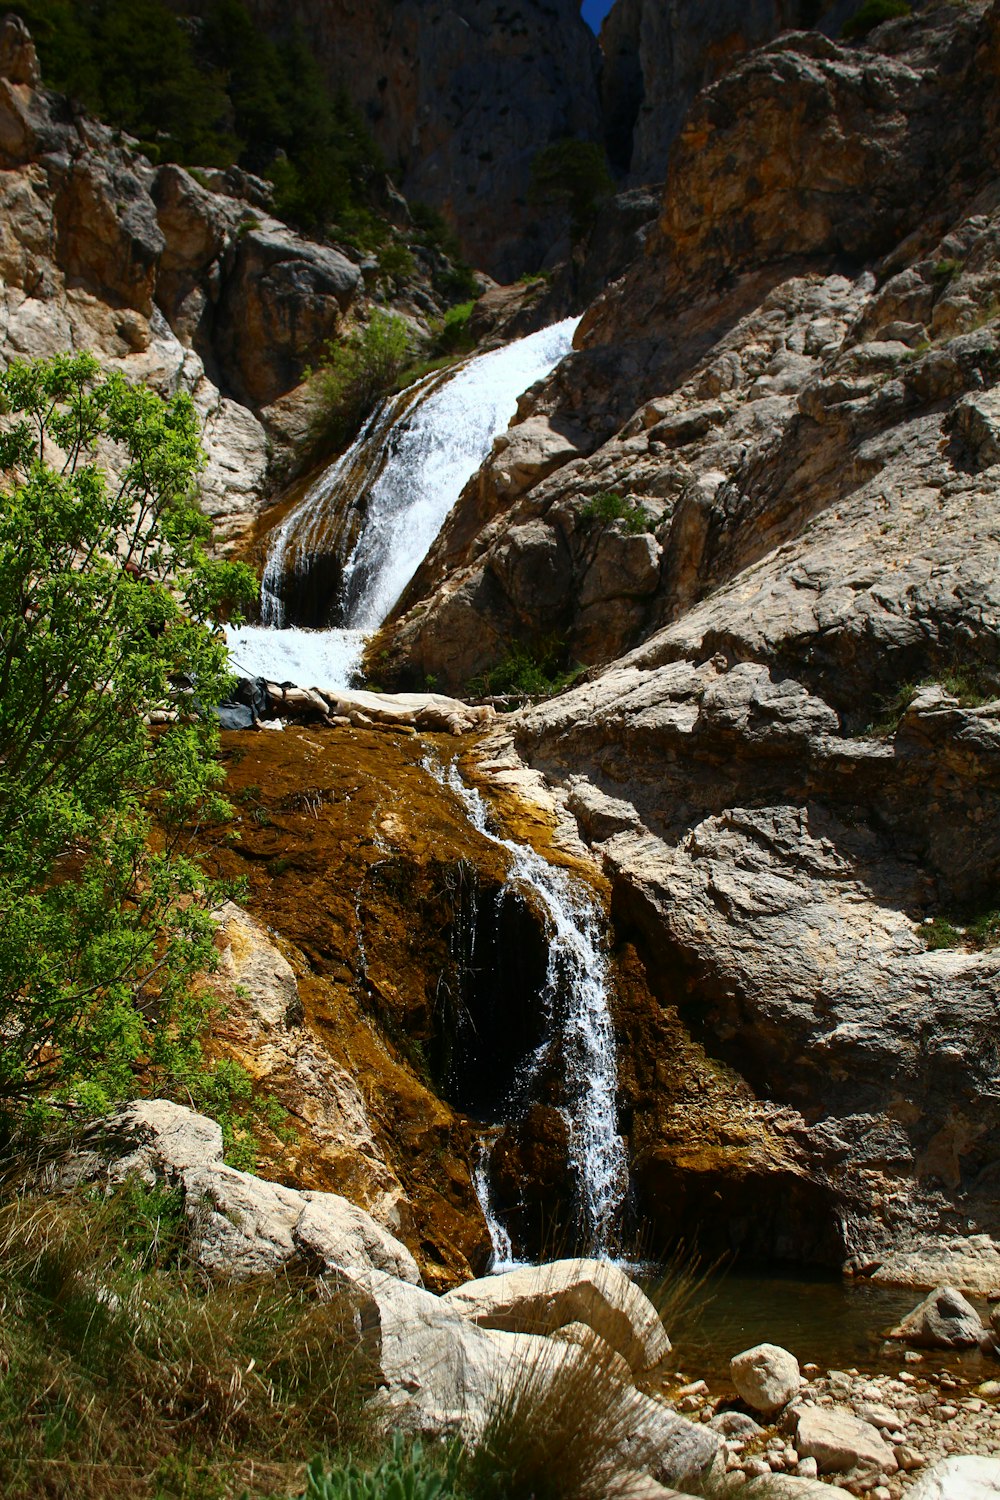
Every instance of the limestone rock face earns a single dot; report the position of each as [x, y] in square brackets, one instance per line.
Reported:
[944, 1320]
[785, 754]
[657, 58]
[766, 1377]
[543, 1299]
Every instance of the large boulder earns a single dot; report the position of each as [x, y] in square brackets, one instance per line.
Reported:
[840, 1441]
[944, 1320]
[153, 1139]
[542, 1299]
[766, 1377]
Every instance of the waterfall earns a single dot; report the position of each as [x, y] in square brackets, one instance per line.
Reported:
[575, 1000]
[398, 480]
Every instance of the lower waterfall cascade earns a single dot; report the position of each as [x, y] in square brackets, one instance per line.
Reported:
[575, 1002]
[400, 478]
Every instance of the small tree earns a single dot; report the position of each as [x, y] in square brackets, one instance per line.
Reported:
[573, 174]
[105, 602]
[357, 373]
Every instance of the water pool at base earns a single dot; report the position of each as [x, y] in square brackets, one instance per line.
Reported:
[822, 1320]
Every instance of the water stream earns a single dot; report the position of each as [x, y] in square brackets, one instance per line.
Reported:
[575, 1001]
[399, 479]
[392, 491]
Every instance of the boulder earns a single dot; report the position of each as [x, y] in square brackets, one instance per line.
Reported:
[333, 1235]
[153, 1139]
[541, 1299]
[735, 1424]
[840, 1441]
[18, 59]
[792, 1487]
[961, 1477]
[944, 1320]
[766, 1377]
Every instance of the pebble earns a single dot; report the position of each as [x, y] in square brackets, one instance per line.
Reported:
[807, 1468]
[756, 1468]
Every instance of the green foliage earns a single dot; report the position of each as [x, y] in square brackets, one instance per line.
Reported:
[456, 278]
[106, 608]
[357, 373]
[214, 91]
[944, 271]
[455, 337]
[979, 931]
[535, 671]
[609, 507]
[408, 1472]
[940, 933]
[871, 14]
[573, 174]
[971, 683]
[130, 1377]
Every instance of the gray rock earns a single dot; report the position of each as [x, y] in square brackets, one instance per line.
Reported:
[944, 1320]
[839, 1441]
[766, 1377]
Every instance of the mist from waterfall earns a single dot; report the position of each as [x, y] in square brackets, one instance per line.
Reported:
[403, 474]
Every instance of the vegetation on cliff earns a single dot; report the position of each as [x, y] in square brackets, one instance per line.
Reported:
[213, 92]
[108, 667]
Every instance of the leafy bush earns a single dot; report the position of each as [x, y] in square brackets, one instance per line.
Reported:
[608, 507]
[106, 609]
[574, 175]
[871, 14]
[455, 337]
[357, 373]
[534, 671]
[128, 1376]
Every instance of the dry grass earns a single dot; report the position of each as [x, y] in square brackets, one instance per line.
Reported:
[127, 1375]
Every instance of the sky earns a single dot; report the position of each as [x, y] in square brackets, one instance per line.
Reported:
[594, 11]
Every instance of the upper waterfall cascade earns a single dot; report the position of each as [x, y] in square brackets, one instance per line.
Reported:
[403, 474]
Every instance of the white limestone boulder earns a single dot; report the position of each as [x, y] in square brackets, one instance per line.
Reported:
[542, 1299]
[766, 1377]
[961, 1477]
[152, 1139]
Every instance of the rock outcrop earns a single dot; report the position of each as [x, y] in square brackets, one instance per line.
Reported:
[790, 400]
[658, 57]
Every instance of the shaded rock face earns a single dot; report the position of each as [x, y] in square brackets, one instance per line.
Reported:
[658, 56]
[812, 445]
[460, 102]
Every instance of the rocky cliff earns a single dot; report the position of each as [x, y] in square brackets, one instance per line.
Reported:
[789, 402]
[461, 100]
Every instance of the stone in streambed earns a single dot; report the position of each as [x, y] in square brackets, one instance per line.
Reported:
[766, 1377]
[840, 1441]
[944, 1320]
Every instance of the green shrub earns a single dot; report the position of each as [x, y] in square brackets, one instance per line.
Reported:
[454, 337]
[107, 605]
[409, 1472]
[535, 671]
[871, 14]
[609, 507]
[940, 933]
[357, 373]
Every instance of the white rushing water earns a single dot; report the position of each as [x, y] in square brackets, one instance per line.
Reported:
[420, 450]
[577, 988]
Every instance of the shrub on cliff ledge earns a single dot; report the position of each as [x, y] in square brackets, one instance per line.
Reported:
[106, 599]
